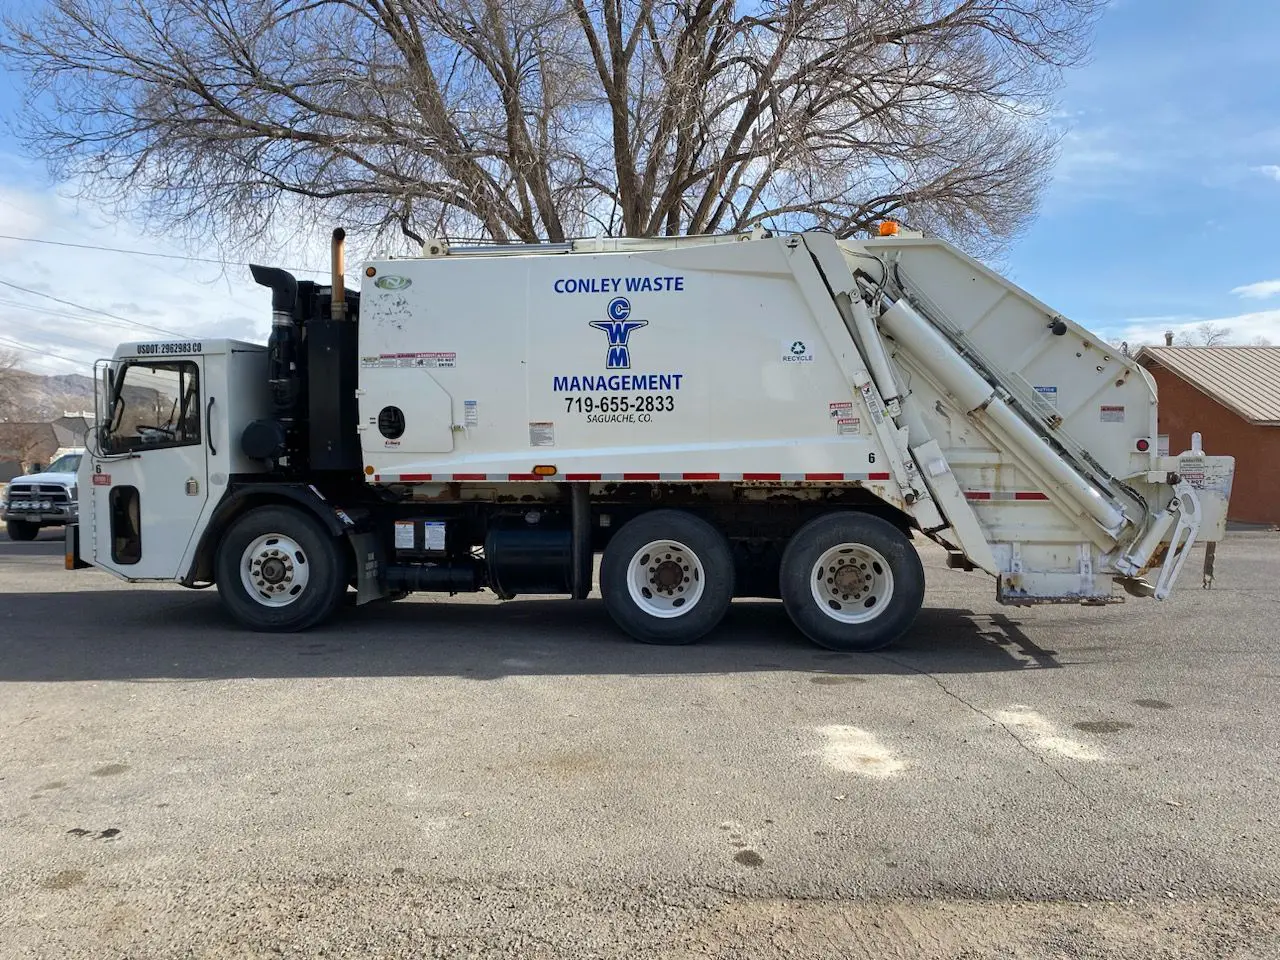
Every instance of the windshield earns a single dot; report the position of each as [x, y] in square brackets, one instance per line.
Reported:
[69, 463]
[153, 404]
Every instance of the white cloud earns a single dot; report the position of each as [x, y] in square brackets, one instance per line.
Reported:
[1269, 170]
[1258, 291]
[199, 300]
[1244, 328]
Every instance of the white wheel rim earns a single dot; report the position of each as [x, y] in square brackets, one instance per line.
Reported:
[852, 583]
[665, 579]
[274, 570]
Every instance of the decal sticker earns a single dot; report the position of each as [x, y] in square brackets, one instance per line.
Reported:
[1162, 445]
[431, 360]
[841, 413]
[1049, 395]
[392, 283]
[168, 349]
[404, 535]
[434, 531]
[102, 479]
[542, 433]
[618, 328]
[618, 285]
[872, 400]
[471, 412]
[796, 351]
[616, 397]
[1112, 414]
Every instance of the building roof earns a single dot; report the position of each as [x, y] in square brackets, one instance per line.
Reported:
[70, 431]
[1245, 380]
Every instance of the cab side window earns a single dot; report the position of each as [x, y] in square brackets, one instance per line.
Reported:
[156, 405]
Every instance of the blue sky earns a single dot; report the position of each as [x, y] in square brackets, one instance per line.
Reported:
[1164, 211]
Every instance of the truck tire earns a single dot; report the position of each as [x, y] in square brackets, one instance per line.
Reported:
[21, 529]
[667, 577]
[279, 570]
[851, 581]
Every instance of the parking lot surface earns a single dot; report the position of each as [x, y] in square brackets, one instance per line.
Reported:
[463, 777]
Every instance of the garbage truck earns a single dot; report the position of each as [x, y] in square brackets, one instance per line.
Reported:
[752, 415]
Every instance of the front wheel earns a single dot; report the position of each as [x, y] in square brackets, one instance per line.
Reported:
[851, 581]
[278, 570]
[667, 577]
[23, 530]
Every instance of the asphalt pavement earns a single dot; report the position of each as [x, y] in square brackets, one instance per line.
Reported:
[462, 777]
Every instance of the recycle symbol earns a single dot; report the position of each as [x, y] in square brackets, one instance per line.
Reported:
[798, 348]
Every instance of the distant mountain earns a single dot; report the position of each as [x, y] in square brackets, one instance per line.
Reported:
[39, 399]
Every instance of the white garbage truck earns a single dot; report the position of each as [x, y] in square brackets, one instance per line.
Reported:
[713, 417]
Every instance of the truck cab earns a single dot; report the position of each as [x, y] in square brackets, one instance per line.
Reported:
[169, 421]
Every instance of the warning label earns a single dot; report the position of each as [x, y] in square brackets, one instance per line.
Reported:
[1111, 414]
[872, 400]
[542, 434]
[433, 360]
[471, 412]
[848, 426]
[1206, 473]
[1049, 395]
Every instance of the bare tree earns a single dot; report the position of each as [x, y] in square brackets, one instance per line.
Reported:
[1207, 334]
[11, 377]
[544, 119]
[1259, 341]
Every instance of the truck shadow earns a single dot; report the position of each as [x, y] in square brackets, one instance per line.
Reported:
[175, 635]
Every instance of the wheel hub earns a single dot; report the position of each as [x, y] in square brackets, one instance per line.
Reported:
[852, 583]
[665, 578]
[668, 575]
[274, 570]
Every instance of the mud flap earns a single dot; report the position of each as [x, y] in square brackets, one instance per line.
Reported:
[371, 581]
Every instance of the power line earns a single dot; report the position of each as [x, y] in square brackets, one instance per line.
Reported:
[79, 306]
[147, 253]
[62, 337]
[45, 353]
[31, 308]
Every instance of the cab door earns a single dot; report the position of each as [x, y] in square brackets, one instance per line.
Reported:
[150, 470]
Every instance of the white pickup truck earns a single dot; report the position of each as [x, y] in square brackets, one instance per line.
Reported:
[45, 499]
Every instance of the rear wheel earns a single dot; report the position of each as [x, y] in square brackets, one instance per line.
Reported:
[667, 577]
[278, 570]
[21, 529]
[851, 581]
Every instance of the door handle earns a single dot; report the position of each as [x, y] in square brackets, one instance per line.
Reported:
[208, 427]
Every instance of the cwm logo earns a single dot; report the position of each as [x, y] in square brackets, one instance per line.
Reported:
[618, 328]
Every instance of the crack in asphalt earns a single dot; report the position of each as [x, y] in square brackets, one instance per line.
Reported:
[1071, 784]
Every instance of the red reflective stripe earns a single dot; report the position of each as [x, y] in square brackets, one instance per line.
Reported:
[977, 494]
[877, 476]
[416, 477]
[582, 476]
[1029, 495]
[701, 476]
[762, 476]
[642, 476]
[824, 476]
[523, 476]
[470, 476]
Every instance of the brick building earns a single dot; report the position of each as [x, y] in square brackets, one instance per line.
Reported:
[1231, 396]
